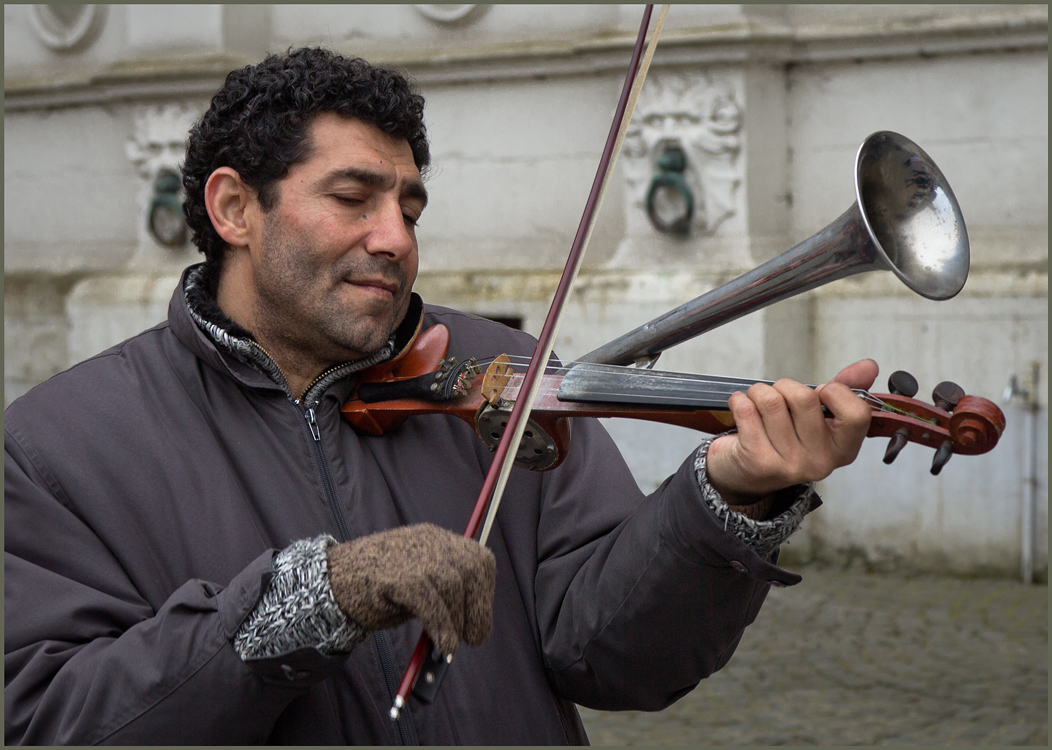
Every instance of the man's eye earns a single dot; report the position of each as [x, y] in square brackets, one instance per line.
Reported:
[413, 221]
[350, 200]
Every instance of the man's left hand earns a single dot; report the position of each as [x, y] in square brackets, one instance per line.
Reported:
[783, 437]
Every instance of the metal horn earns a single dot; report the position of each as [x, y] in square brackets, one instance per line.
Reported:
[905, 220]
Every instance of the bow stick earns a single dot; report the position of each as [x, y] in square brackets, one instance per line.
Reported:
[497, 476]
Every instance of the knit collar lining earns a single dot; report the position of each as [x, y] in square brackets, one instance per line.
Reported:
[200, 290]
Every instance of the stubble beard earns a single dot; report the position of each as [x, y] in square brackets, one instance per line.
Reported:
[302, 306]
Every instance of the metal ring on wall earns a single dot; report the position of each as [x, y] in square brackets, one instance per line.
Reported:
[671, 164]
[165, 217]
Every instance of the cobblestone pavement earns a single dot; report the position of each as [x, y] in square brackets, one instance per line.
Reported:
[850, 658]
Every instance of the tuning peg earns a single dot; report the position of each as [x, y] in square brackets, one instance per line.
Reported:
[946, 395]
[901, 383]
[942, 456]
[898, 441]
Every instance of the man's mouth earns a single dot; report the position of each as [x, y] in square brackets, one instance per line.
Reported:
[380, 287]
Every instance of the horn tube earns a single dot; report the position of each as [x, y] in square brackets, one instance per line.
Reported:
[905, 219]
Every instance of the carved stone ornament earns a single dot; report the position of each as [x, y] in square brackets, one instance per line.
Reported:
[157, 147]
[701, 119]
[159, 137]
[63, 27]
[444, 13]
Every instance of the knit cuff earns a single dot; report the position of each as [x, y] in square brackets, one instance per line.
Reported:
[763, 537]
[298, 609]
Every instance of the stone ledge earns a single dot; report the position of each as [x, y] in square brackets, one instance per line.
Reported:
[135, 288]
[732, 43]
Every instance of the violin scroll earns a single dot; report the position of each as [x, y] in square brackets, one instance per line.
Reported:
[955, 423]
[976, 425]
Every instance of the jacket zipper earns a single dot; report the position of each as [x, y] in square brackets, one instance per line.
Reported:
[381, 638]
[383, 648]
[326, 477]
[406, 731]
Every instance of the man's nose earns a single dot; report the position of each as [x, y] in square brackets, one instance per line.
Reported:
[390, 235]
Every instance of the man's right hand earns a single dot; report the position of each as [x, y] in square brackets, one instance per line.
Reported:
[443, 579]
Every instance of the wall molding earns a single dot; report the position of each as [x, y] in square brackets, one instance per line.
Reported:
[746, 43]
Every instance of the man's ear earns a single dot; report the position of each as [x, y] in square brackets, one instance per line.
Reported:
[230, 202]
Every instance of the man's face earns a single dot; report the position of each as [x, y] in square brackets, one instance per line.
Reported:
[337, 255]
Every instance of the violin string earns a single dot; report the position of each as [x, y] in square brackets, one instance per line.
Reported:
[653, 376]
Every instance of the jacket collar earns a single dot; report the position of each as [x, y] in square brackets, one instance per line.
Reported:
[202, 327]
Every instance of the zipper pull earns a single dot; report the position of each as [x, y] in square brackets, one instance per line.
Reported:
[313, 423]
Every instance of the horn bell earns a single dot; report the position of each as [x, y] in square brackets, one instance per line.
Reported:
[905, 219]
[912, 215]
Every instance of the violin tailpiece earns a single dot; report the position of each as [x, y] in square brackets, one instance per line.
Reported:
[450, 381]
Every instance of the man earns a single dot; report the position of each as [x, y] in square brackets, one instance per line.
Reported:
[200, 550]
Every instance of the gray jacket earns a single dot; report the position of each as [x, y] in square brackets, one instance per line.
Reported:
[148, 489]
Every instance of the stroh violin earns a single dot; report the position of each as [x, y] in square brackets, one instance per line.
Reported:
[905, 219]
[424, 382]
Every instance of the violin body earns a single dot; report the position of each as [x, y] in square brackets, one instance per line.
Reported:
[390, 393]
[542, 447]
[547, 437]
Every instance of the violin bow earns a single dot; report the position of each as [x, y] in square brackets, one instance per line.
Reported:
[546, 341]
[503, 460]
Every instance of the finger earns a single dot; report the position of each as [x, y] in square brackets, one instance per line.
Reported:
[469, 589]
[861, 374]
[777, 418]
[752, 434]
[809, 422]
[424, 601]
[748, 464]
[850, 422]
[478, 600]
[813, 455]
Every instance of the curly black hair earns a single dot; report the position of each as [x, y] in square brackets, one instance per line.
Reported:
[258, 125]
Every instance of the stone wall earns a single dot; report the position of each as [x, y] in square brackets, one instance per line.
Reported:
[769, 105]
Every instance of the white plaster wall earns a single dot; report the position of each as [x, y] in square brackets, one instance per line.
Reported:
[513, 163]
[900, 513]
[68, 187]
[983, 118]
[872, 18]
[27, 57]
[388, 29]
[35, 341]
[105, 310]
[165, 29]
[134, 40]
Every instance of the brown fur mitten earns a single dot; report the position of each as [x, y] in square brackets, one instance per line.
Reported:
[421, 571]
